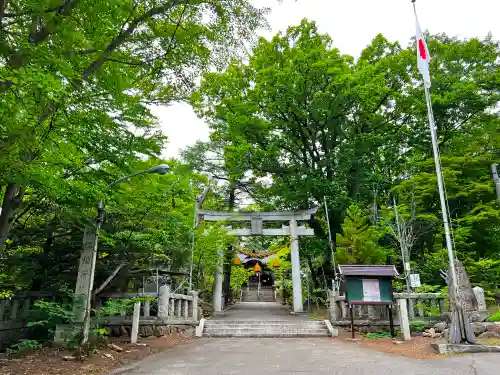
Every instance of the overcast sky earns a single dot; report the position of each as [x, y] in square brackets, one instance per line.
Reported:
[352, 24]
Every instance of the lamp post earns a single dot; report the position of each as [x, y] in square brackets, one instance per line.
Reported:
[86, 269]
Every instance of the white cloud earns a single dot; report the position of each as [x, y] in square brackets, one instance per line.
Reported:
[352, 24]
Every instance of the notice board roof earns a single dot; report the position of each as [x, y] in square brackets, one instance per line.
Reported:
[367, 270]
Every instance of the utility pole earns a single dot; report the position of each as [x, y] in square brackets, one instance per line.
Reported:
[330, 242]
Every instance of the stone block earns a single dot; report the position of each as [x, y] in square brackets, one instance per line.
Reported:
[478, 328]
[464, 348]
[66, 334]
[440, 327]
[481, 301]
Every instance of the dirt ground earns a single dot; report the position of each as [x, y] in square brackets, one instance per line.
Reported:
[49, 361]
[419, 347]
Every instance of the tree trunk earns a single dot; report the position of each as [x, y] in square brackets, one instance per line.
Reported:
[314, 276]
[12, 199]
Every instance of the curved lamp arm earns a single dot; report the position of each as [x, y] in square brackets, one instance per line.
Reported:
[159, 169]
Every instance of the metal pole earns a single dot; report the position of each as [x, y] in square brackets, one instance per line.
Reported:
[442, 197]
[330, 242]
[195, 211]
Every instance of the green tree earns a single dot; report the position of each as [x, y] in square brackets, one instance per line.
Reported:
[358, 242]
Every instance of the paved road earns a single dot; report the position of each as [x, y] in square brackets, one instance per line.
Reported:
[258, 311]
[318, 356]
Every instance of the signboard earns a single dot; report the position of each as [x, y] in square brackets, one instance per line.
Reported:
[415, 280]
[371, 290]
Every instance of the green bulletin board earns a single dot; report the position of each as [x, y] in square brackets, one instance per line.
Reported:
[369, 290]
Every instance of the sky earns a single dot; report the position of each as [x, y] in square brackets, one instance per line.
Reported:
[352, 24]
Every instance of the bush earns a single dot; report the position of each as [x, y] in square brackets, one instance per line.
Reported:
[25, 345]
[495, 317]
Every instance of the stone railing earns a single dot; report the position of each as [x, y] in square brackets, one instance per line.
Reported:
[164, 305]
[14, 313]
[427, 306]
[156, 314]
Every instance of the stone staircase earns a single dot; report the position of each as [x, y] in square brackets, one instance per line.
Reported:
[265, 328]
[252, 295]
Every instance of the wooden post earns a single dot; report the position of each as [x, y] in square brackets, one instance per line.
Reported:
[391, 321]
[135, 322]
[352, 320]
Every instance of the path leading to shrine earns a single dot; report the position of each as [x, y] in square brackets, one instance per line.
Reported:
[263, 311]
[320, 356]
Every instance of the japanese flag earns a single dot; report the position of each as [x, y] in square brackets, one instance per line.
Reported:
[423, 56]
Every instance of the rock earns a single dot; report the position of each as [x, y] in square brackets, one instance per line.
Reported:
[481, 301]
[123, 331]
[107, 355]
[488, 335]
[440, 327]
[478, 328]
[148, 331]
[141, 344]
[493, 327]
[431, 331]
[116, 348]
[446, 334]
[69, 358]
[426, 334]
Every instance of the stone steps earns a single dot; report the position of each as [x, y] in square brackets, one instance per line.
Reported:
[252, 295]
[278, 328]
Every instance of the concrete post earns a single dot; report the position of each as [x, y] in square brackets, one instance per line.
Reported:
[193, 308]
[185, 308]
[13, 311]
[178, 308]
[171, 310]
[217, 287]
[135, 322]
[403, 319]
[146, 307]
[26, 307]
[2, 309]
[296, 279]
[85, 278]
[163, 307]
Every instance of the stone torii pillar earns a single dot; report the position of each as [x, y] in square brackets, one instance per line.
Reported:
[298, 306]
[256, 219]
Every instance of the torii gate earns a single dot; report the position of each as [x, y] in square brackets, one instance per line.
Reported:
[256, 229]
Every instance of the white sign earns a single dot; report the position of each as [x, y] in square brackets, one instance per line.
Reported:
[415, 280]
[371, 290]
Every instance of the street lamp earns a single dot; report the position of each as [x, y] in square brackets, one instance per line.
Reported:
[85, 282]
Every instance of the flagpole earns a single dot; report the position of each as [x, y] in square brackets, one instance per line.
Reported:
[442, 196]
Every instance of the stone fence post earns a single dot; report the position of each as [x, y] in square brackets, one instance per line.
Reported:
[403, 319]
[163, 301]
[193, 306]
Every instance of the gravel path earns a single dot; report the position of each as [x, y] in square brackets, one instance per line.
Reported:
[304, 357]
